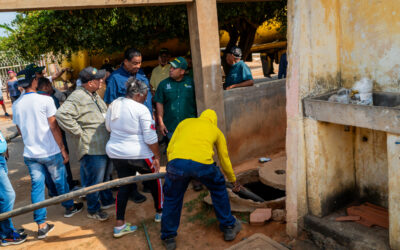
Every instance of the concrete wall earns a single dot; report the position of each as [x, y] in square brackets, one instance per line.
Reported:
[370, 42]
[255, 120]
[333, 43]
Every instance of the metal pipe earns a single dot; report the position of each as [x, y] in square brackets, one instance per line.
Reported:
[80, 192]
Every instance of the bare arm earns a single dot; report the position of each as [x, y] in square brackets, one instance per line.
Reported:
[160, 114]
[242, 84]
[156, 152]
[55, 130]
[8, 91]
[58, 74]
[19, 131]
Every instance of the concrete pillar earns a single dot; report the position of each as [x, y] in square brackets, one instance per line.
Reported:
[393, 149]
[206, 59]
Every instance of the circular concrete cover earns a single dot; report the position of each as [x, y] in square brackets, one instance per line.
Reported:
[273, 173]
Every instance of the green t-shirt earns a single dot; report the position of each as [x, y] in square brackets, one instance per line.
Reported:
[178, 99]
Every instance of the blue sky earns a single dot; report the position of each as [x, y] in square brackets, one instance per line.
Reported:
[6, 17]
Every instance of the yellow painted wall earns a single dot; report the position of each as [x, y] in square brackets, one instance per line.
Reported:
[370, 42]
[333, 43]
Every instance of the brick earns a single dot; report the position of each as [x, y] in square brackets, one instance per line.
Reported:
[260, 215]
[370, 215]
[348, 218]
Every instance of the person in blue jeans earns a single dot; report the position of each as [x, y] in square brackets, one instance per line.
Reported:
[190, 156]
[83, 116]
[9, 235]
[44, 151]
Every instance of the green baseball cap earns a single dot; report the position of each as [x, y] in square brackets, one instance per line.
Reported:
[179, 62]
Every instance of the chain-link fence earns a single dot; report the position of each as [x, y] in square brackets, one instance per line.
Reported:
[10, 61]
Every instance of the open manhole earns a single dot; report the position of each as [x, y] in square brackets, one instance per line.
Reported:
[273, 197]
[266, 192]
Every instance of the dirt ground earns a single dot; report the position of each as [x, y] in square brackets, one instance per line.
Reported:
[198, 229]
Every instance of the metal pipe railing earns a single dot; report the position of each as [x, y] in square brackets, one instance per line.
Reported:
[80, 192]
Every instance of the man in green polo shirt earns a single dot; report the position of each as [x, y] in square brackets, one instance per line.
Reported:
[175, 98]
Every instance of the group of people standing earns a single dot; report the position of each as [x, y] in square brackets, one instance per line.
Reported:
[120, 132]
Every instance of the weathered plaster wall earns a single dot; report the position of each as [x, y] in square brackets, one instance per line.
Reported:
[314, 67]
[371, 165]
[370, 42]
[331, 181]
[256, 120]
[332, 43]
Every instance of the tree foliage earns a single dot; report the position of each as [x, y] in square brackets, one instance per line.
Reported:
[112, 30]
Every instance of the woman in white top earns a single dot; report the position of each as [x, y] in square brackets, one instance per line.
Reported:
[133, 147]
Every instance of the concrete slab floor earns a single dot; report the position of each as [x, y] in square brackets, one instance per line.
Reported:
[330, 234]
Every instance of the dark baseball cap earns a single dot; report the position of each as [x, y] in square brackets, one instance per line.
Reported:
[235, 51]
[89, 73]
[25, 77]
[164, 51]
[179, 62]
[35, 68]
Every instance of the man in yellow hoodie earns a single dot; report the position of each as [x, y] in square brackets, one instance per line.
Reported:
[190, 156]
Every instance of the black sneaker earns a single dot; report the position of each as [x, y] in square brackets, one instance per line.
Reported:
[42, 233]
[138, 197]
[14, 239]
[75, 209]
[231, 232]
[170, 243]
[99, 215]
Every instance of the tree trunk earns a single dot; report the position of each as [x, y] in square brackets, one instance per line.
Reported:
[247, 34]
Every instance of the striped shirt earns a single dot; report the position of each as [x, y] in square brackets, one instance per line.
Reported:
[83, 115]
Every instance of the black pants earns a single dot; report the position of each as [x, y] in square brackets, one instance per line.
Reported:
[127, 168]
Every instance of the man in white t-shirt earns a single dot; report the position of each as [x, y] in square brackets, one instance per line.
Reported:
[44, 151]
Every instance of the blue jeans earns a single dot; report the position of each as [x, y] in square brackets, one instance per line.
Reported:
[7, 198]
[179, 174]
[93, 170]
[49, 167]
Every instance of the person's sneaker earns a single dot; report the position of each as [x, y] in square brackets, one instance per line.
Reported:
[43, 232]
[75, 209]
[231, 232]
[126, 230]
[138, 197]
[21, 231]
[6, 114]
[104, 207]
[197, 187]
[157, 218]
[99, 215]
[170, 243]
[14, 239]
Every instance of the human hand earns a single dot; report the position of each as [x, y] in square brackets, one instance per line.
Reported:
[65, 156]
[231, 87]
[236, 187]
[156, 165]
[163, 129]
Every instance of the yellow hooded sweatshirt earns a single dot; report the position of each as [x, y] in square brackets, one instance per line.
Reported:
[194, 139]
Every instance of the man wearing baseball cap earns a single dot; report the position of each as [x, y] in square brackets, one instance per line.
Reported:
[175, 98]
[161, 72]
[44, 151]
[239, 75]
[41, 72]
[83, 116]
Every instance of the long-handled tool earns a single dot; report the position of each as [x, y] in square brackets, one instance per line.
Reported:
[147, 235]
